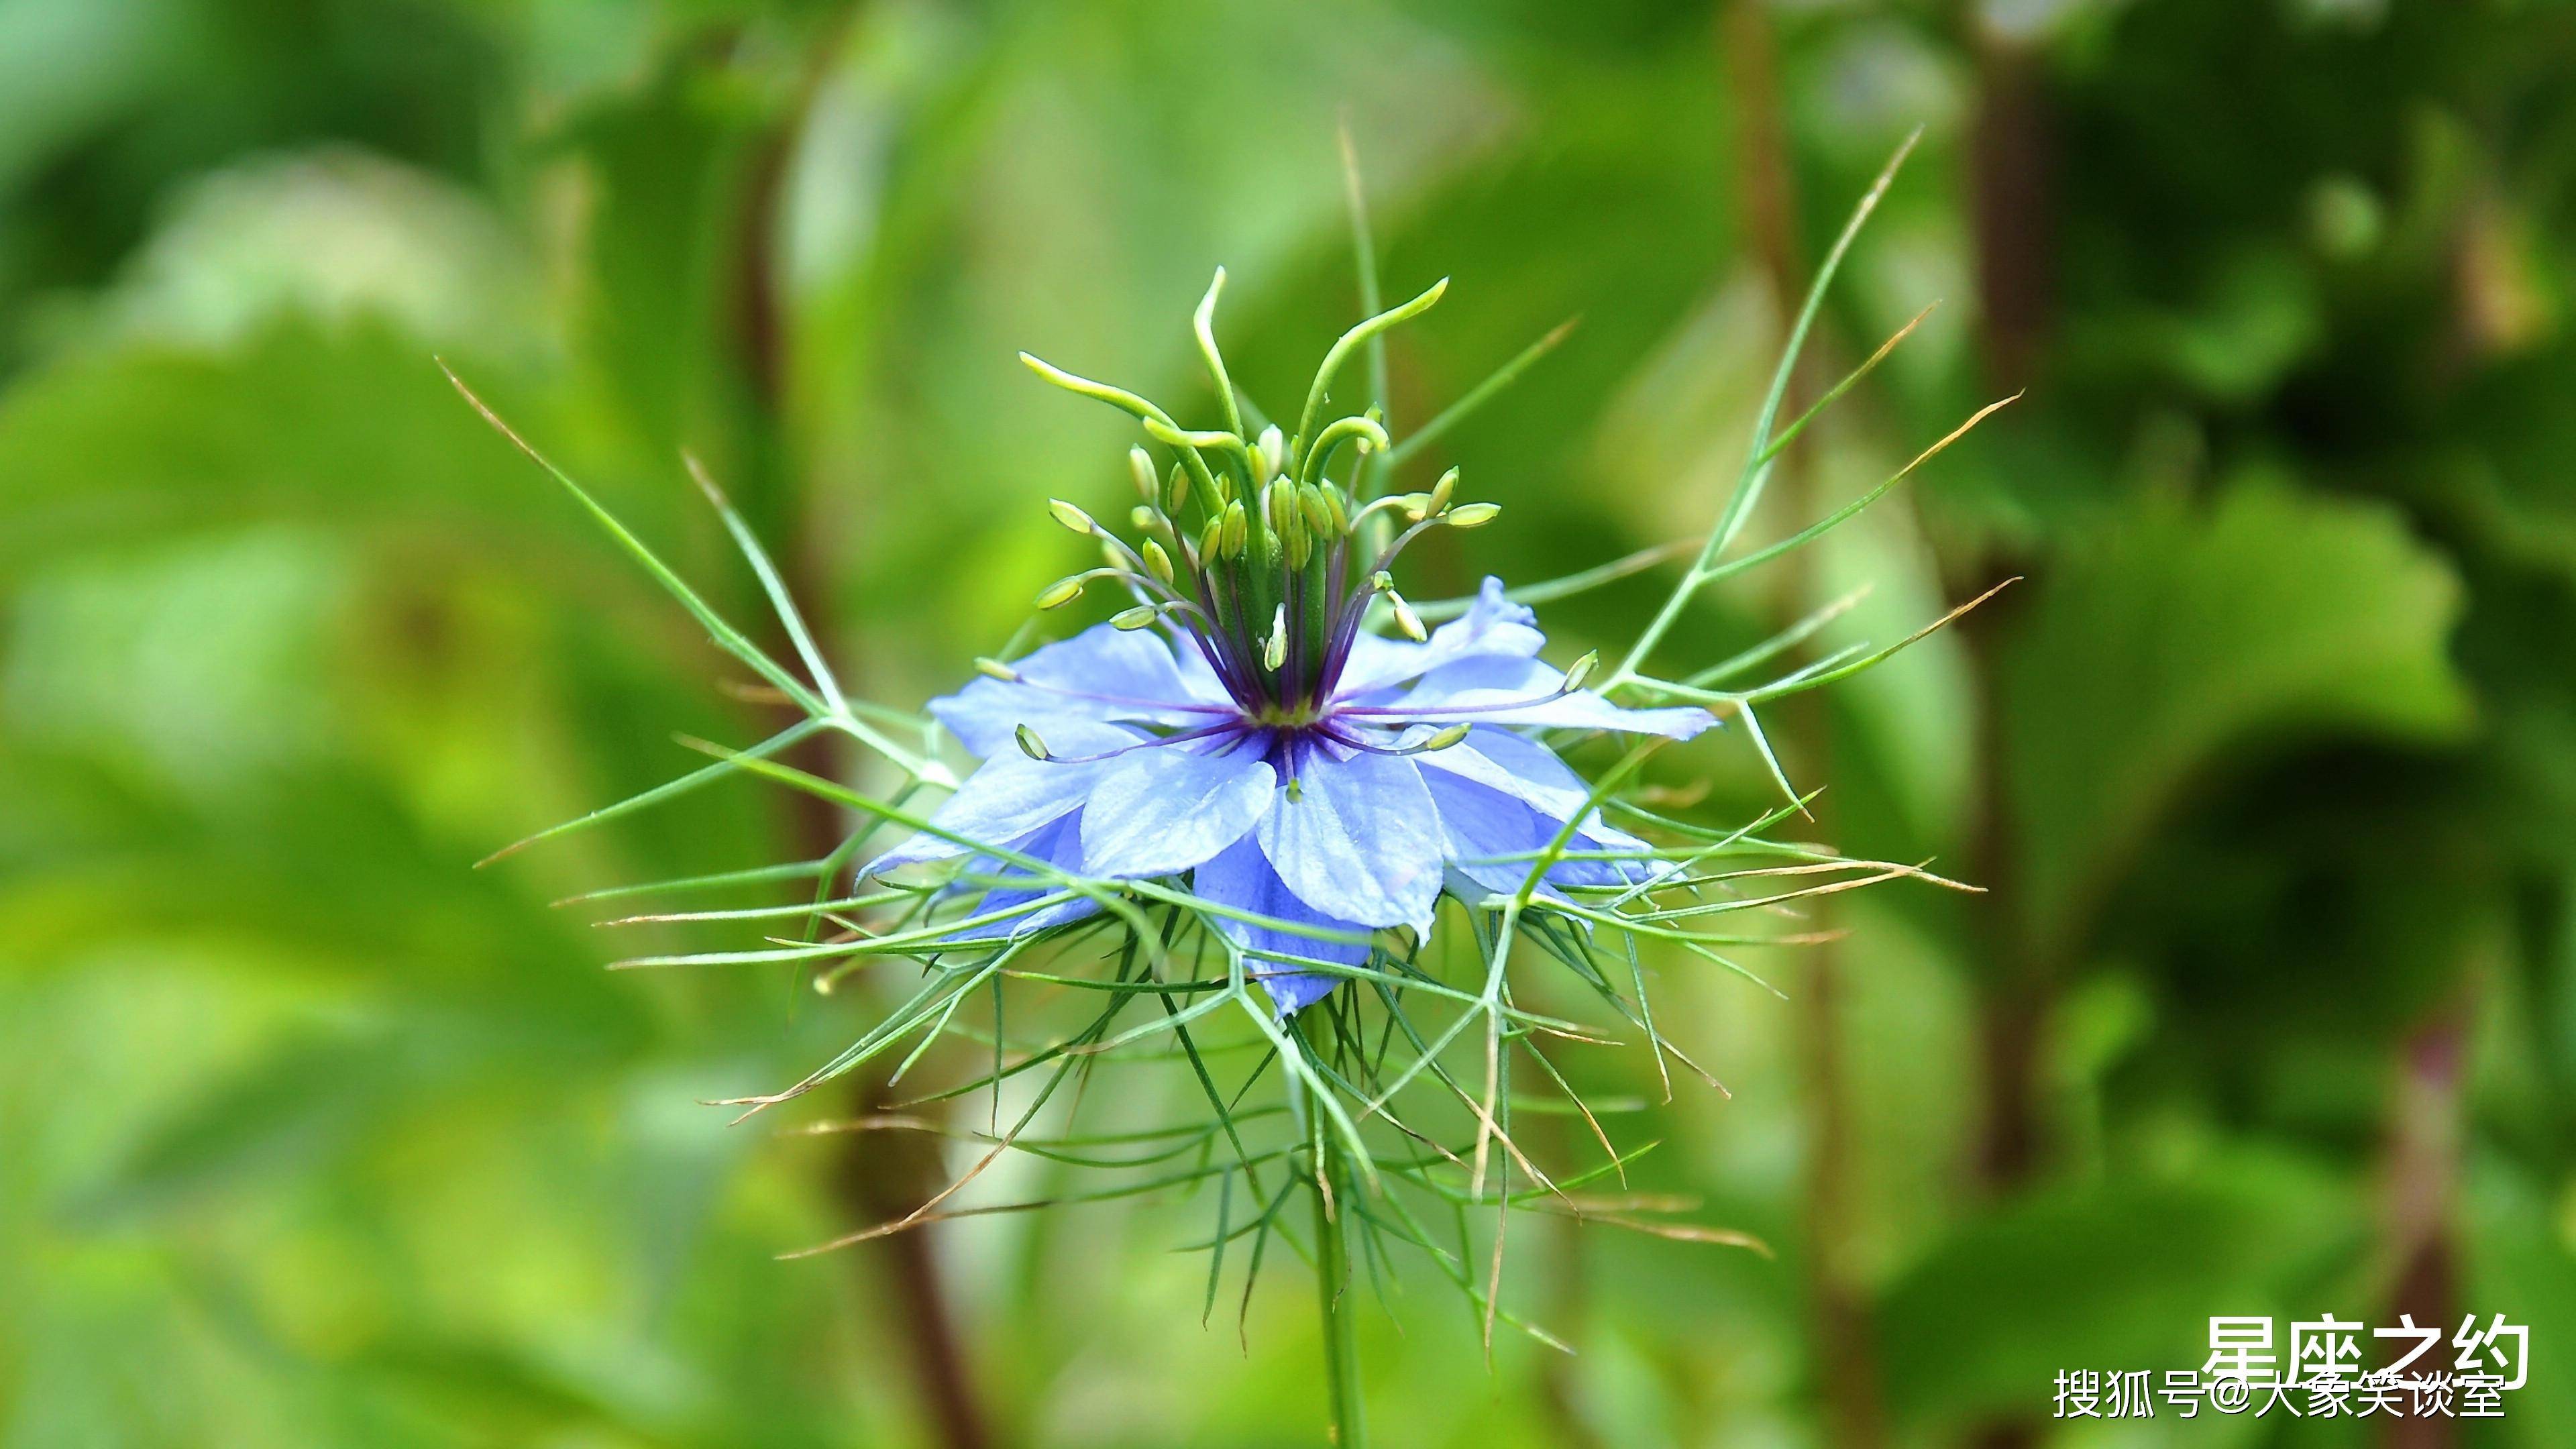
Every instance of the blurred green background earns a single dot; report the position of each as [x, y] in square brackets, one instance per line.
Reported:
[311, 1135]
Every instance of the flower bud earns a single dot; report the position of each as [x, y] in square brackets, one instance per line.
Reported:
[1060, 593]
[1030, 744]
[1473, 515]
[1141, 465]
[1157, 562]
[996, 669]
[1135, 618]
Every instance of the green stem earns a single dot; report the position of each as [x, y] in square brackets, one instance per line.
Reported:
[1347, 1427]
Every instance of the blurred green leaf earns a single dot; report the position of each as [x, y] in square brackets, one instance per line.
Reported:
[2185, 640]
[2118, 1274]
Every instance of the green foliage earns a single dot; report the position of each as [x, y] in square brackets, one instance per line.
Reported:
[311, 1135]
[2187, 640]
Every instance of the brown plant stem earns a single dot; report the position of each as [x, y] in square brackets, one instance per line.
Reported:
[877, 1176]
[2010, 159]
[1842, 1323]
[2422, 1166]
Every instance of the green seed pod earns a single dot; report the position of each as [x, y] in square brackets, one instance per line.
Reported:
[1070, 516]
[1157, 562]
[1473, 515]
[1060, 593]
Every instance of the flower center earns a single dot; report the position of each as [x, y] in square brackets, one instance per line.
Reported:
[1290, 718]
[1267, 551]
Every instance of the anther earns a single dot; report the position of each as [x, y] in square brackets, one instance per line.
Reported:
[1407, 620]
[1319, 516]
[1444, 738]
[1030, 744]
[1440, 492]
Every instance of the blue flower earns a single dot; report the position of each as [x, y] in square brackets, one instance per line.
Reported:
[1325, 776]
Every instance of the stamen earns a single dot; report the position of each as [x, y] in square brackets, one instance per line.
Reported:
[1181, 738]
[1129, 700]
[1428, 712]
[1439, 740]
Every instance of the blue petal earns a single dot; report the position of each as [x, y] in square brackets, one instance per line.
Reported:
[1160, 811]
[1490, 691]
[1484, 824]
[1010, 796]
[1493, 625]
[1058, 843]
[1359, 839]
[1240, 877]
[1102, 673]
[1530, 773]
